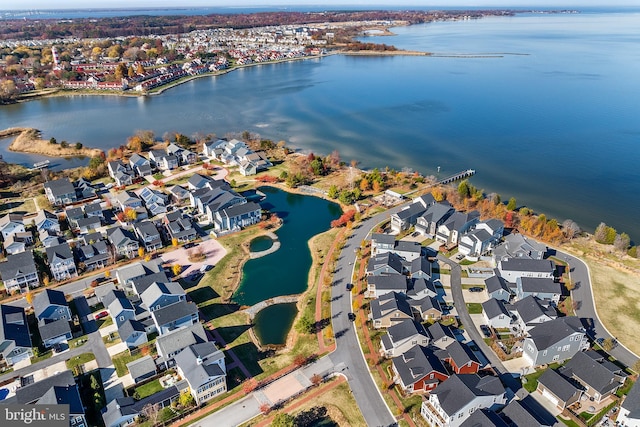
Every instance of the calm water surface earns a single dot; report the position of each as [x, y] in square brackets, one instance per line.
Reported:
[550, 118]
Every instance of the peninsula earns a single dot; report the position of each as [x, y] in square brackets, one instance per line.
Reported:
[28, 140]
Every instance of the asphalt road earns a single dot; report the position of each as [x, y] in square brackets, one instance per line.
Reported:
[348, 353]
[582, 295]
[456, 292]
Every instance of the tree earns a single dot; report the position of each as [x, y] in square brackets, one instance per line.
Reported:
[265, 408]
[95, 384]
[130, 72]
[316, 379]
[249, 385]
[463, 189]
[305, 325]
[570, 228]
[140, 69]
[64, 144]
[120, 71]
[364, 184]
[29, 298]
[608, 344]
[52, 140]
[633, 252]
[176, 269]
[376, 186]
[78, 145]
[333, 192]
[283, 420]
[174, 242]
[622, 242]
[141, 252]
[512, 204]
[151, 412]
[107, 274]
[186, 399]
[130, 214]
[605, 234]
[438, 194]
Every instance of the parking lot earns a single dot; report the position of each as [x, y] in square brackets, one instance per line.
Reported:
[212, 250]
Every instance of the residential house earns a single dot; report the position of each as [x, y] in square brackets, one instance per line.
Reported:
[215, 201]
[178, 194]
[15, 340]
[518, 246]
[139, 272]
[50, 305]
[123, 241]
[84, 189]
[127, 199]
[554, 341]
[380, 285]
[160, 295]
[155, 201]
[45, 220]
[66, 395]
[441, 336]
[123, 411]
[421, 288]
[172, 343]
[460, 358]
[598, 377]
[11, 224]
[402, 336]
[407, 217]
[14, 244]
[390, 309]
[512, 268]
[120, 172]
[197, 182]
[421, 268]
[383, 243]
[141, 369]
[203, 367]
[179, 227]
[530, 312]
[73, 215]
[484, 418]
[481, 238]
[385, 264]
[50, 238]
[87, 225]
[184, 156]
[140, 165]
[175, 316]
[455, 399]
[55, 332]
[133, 333]
[539, 287]
[95, 255]
[61, 262]
[428, 308]
[557, 389]
[427, 224]
[237, 217]
[148, 235]
[498, 288]
[528, 413]
[629, 413]
[119, 306]
[418, 369]
[457, 224]
[162, 160]
[496, 314]
[31, 392]
[214, 149]
[60, 192]
[94, 210]
[19, 272]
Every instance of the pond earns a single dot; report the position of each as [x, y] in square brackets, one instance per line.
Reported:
[285, 271]
[275, 321]
[261, 243]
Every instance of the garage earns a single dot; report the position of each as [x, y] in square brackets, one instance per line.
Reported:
[550, 397]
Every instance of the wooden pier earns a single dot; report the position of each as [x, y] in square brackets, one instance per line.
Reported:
[460, 175]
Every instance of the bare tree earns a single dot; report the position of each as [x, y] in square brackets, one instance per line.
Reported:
[570, 228]
[151, 412]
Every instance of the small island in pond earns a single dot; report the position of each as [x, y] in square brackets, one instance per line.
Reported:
[28, 140]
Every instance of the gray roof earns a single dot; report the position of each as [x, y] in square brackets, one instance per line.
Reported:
[157, 289]
[91, 222]
[393, 282]
[181, 338]
[140, 284]
[461, 354]
[92, 207]
[525, 264]
[438, 212]
[44, 299]
[521, 415]
[34, 391]
[147, 229]
[129, 327]
[405, 246]
[517, 245]
[421, 264]
[557, 384]
[60, 186]
[54, 329]
[197, 363]
[63, 395]
[112, 295]
[387, 258]
[530, 308]
[138, 269]
[13, 325]
[458, 219]
[459, 390]
[129, 406]
[416, 363]
[438, 331]
[62, 252]
[484, 418]
[389, 303]
[387, 239]
[548, 333]
[420, 285]
[539, 284]
[493, 308]
[241, 209]
[591, 372]
[199, 181]
[18, 265]
[121, 236]
[174, 312]
[142, 367]
[496, 283]
[117, 302]
[405, 329]
[632, 402]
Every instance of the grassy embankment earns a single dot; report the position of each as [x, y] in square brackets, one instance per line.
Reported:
[28, 140]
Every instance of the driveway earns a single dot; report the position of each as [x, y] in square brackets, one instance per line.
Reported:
[211, 248]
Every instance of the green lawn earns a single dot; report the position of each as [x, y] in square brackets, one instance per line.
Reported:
[80, 360]
[570, 423]
[120, 361]
[530, 382]
[474, 307]
[148, 389]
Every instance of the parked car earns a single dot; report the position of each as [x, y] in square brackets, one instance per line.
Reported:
[352, 316]
[101, 315]
[205, 268]
[476, 289]
[349, 286]
[485, 330]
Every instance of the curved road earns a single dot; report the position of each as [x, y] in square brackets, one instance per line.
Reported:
[586, 307]
[348, 356]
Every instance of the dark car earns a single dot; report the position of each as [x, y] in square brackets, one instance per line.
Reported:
[349, 286]
[485, 330]
[101, 315]
[476, 289]
[351, 316]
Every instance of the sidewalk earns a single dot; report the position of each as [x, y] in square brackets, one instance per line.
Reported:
[319, 288]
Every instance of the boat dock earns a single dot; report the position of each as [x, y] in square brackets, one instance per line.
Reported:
[460, 175]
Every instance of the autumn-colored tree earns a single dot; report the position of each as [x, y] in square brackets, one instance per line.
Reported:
[265, 408]
[130, 214]
[121, 71]
[141, 252]
[107, 274]
[176, 269]
[299, 360]
[364, 184]
[249, 385]
[186, 399]
[174, 242]
[140, 69]
[316, 379]
[29, 297]
[376, 186]
[45, 280]
[438, 194]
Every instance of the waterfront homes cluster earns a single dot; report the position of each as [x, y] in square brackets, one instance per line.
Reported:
[237, 153]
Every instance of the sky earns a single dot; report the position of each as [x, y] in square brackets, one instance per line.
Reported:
[92, 4]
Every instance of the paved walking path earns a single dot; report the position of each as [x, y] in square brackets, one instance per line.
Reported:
[323, 273]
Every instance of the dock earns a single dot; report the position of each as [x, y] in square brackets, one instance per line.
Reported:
[460, 175]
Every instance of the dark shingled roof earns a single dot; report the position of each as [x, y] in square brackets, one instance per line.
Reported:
[484, 418]
[557, 384]
[416, 363]
[46, 298]
[632, 401]
[548, 333]
[54, 329]
[460, 389]
[35, 391]
[590, 372]
[63, 395]
[174, 312]
[493, 308]
[14, 325]
[383, 238]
